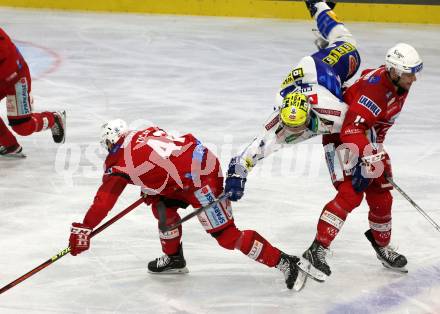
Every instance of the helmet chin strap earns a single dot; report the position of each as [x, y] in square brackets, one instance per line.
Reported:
[400, 89]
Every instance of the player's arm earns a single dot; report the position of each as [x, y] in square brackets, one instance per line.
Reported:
[365, 109]
[260, 147]
[108, 193]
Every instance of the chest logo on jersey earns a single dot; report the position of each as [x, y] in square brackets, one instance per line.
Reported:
[296, 74]
[335, 54]
[370, 105]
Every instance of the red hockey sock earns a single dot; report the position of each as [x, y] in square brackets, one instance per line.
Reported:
[6, 137]
[250, 243]
[258, 248]
[37, 122]
[380, 203]
[169, 240]
[335, 212]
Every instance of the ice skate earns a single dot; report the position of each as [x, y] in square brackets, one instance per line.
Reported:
[389, 258]
[311, 5]
[294, 277]
[59, 128]
[313, 262]
[169, 264]
[15, 151]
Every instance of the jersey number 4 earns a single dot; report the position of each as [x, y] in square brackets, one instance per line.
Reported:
[165, 145]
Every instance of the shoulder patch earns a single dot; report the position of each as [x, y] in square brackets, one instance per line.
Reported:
[272, 123]
[293, 76]
[374, 79]
[370, 105]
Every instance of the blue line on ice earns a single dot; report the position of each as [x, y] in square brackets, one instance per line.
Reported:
[392, 295]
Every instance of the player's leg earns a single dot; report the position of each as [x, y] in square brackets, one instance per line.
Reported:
[173, 260]
[21, 117]
[335, 212]
[8, 143]
[330, 222]
[380, 202]
[330, 28]
[219, 222]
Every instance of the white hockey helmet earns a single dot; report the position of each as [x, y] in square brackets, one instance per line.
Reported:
[404, 59]
[111, 132]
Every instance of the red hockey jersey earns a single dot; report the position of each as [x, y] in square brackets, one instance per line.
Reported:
[374, 104]
[156, 161]
[10, 60]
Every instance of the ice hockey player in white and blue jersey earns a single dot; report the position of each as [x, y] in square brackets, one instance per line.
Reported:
[309, 102]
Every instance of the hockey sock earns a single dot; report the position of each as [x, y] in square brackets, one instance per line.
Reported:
[7, 139]
[379, 216]
[258, 248]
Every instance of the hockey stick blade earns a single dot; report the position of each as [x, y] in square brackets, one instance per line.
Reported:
[67, 250]
[193, 214]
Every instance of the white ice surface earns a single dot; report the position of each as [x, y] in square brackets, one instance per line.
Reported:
[215, 78]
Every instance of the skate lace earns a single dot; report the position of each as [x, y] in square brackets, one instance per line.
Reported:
[284, 267]
[389, 253]
[321, 252]
[163, 260]
[56, 130]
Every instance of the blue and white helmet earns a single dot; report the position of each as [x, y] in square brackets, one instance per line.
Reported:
[404, 59]
[112, 131]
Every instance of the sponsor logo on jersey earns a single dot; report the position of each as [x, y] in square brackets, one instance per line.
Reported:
[374, 79]
[330, 112]
[22, 97]
[296, 74]
[215, 213]
[335, 54]
[370, 105]
[306, 89]
[272, 123]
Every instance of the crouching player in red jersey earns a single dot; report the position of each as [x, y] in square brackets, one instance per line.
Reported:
[15, 85]
[375, 101]
[177, 172]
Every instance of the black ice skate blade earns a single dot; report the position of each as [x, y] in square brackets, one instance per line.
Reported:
[311, 271]
[13, 156]
[400, 270]
[179, 271]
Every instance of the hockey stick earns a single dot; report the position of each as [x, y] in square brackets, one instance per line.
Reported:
[194, 213]
[421, 211]
[67, 250]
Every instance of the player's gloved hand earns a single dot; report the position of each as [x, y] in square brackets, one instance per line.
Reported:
[235, 179]
[79, 240]
[358, 181]
[366, 170]
[382, 181]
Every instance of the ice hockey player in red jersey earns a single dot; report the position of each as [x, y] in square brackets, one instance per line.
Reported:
[174, 172]
[375, 101]
[15, 85]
